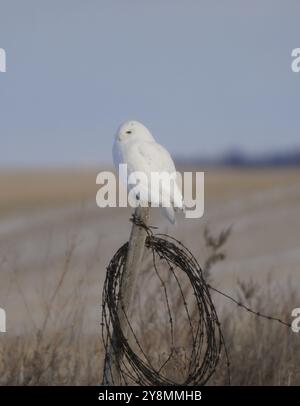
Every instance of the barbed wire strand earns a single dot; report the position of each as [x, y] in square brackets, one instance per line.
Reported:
[256, 313]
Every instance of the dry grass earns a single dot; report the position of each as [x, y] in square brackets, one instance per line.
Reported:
[59, 359]
[261, 352]
[56, 351]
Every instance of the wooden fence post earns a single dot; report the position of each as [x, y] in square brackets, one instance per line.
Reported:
[127, 290]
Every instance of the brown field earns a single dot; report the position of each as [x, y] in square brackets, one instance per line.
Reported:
[55, 245]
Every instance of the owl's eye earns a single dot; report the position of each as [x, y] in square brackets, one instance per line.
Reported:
[128, 132]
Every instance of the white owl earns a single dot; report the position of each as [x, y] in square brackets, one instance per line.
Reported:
[135, 146]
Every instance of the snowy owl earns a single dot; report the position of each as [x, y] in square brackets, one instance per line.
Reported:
[135, 146]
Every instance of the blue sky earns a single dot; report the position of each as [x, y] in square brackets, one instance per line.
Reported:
[204, 76]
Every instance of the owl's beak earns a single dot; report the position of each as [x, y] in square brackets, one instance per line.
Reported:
[123, 137]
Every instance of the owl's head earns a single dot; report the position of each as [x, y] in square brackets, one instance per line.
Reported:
[133, 130]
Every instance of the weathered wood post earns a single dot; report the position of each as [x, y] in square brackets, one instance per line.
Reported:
[127, 289]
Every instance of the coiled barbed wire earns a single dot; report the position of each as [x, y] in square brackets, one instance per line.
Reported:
[205, 331]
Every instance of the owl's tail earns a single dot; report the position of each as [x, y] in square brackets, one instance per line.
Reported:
[169, 213]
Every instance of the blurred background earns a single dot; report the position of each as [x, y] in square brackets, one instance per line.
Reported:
[213, 82]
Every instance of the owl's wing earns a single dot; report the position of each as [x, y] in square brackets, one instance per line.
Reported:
[156, 157]
[150, 157]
